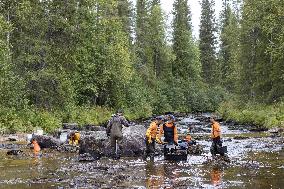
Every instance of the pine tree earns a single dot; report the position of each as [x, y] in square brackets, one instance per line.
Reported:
[207, 43]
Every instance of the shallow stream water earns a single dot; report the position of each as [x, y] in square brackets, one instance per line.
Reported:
[256, 162]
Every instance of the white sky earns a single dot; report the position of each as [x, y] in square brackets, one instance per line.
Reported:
[195, 8]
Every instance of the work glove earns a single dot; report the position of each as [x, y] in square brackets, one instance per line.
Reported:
[159, 141]
[150, 140]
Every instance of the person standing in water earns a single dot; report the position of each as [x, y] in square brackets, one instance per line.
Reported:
[114, 130]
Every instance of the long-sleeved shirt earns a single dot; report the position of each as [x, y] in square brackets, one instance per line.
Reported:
[216, 130]
[114, 126]
[152, 130]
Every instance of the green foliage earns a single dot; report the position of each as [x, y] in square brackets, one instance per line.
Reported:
[76, 61]
[252, 113]
[186, 64]
[229, 53]
[207, 42]
[88, 115]
[262, 50]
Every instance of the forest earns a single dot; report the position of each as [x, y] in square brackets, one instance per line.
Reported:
[80, 60]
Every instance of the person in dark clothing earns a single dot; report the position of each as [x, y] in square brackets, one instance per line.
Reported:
[114, 130]
[169, 129]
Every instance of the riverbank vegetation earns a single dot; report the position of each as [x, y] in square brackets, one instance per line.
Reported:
[79, 61]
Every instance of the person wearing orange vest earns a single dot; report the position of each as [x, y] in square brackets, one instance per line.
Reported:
[216, 138]
[36, 147]
[169, 130]
[151, 134]
[74, 138]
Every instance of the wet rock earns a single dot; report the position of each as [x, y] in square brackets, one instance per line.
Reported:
[195, 149]
[90, 127]
[133, 143]
[218, 161]
[93, 145]
[201, 137]
[71, 126]
[96, 144]
[258, 129]
[68, 148]
[228, 140]
[13, 138]
[251, 165]
[249, 146]
[12, 146]
[200, 129]
[15, 152]
[47, 141]
[276, 130]
[240, 137]
[88, 157]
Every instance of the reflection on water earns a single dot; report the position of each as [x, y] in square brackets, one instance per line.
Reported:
[155, 175]
[216, 176]
[255, 162]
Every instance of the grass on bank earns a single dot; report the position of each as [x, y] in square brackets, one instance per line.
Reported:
[262, 115]
[29, 119]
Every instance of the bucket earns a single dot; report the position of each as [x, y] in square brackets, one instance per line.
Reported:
[29, 137]
[63, 137]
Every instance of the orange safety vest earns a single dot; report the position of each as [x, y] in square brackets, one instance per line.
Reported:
[152, 130]
[77, 136]
[216, 130]
[166, 127]
[36, 146]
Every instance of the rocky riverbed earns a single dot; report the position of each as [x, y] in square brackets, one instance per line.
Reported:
[257, 160]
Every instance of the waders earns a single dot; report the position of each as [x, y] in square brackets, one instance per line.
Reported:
[116, 150]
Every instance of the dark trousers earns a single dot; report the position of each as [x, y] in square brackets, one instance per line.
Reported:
[150, 148]
[113, 140]
[216, 147]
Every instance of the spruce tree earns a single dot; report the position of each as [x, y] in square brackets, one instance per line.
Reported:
[125, 12]
[186, 65]
[229, 48]
[159, 62]
[207, 43]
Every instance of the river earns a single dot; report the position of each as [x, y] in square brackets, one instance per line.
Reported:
[257, 161]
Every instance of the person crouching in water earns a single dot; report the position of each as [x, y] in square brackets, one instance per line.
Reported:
[36, 147]
[216, 138]
[169, 129]
[189, 139]
[151, 134]
[114, 130]
[74, 138]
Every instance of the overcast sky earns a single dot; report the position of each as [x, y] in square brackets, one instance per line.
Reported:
[195, 8]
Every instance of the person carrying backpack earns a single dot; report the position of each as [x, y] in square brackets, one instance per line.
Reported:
[114, 130]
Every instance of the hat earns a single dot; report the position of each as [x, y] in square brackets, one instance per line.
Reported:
[171, 118]
[159, 118]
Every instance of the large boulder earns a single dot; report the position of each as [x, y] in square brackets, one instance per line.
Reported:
[47, 141]
[133, 143]
[96, 143]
